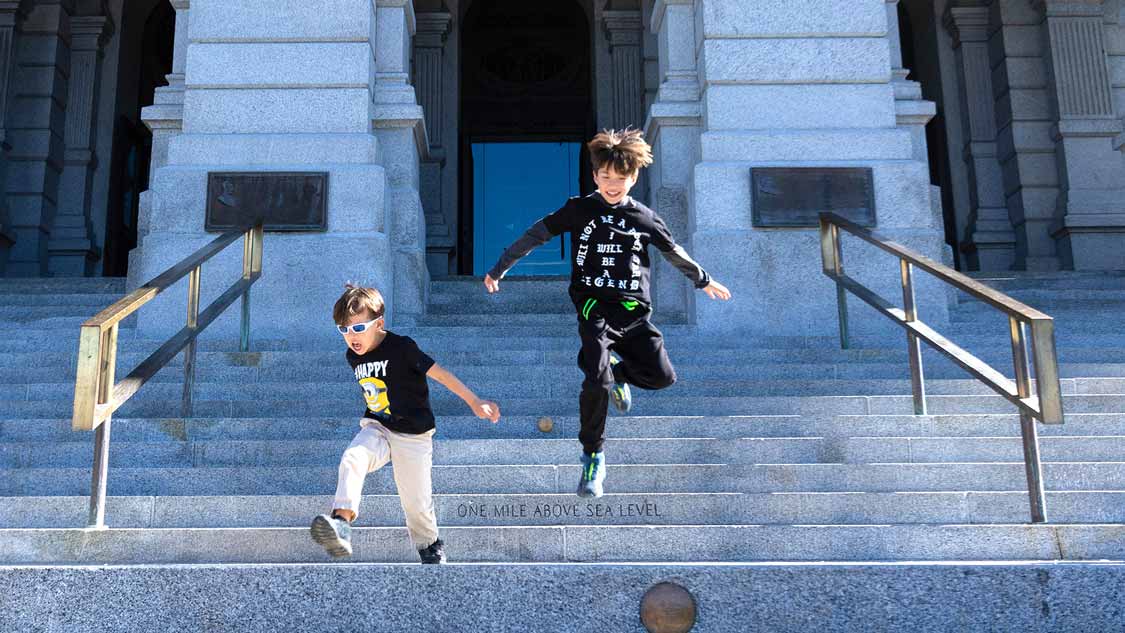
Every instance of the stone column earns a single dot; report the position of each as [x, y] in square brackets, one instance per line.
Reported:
[673, 128]
[35, 130]
[805, 85]
[10, 15]
[400, 126]
[623, 30]
[1023, 121]
[429, 79]
[71, 248]
[284, 86]
[990, 242]
[1090, 228]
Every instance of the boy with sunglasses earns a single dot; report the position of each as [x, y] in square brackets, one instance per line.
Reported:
[397, 426]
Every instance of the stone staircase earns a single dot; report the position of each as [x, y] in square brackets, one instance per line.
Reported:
[781, 480]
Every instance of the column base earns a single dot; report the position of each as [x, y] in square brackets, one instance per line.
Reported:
[439, 260]
[71, 258]
[1091, 247]
[5, 247]
[989, 252]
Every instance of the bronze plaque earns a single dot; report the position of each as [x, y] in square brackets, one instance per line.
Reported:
[288, 201]
[668, 608]
[796, 196]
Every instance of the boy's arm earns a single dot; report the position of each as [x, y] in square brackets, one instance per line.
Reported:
[678, 257]
[691, 269]
[533, 238]
[482, 408]
[539, 234]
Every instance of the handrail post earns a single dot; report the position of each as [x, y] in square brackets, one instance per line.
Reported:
[1032, 465]
[833, 265]
[913, 345]
[189, 351]
[107, 361]
[251, 265]
[247, 272]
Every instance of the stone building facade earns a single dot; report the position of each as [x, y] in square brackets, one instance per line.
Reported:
[993, 130]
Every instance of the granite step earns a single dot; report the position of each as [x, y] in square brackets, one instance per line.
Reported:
[831, 508]
[470, 452]
[690, 368]
[559, 384]
[71, 302]
[604, 544]
[566, 427]
[647, 406]
[1007, 476]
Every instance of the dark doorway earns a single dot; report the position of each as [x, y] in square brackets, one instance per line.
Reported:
[147, 41]
[526, 77]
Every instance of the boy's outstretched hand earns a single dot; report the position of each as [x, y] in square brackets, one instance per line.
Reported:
[493, 285]
[486, 409]
[716, 290]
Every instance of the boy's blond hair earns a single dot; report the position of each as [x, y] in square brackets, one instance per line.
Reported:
[357, 300]
[624, 150]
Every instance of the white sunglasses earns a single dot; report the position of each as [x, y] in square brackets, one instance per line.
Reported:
[358, 328]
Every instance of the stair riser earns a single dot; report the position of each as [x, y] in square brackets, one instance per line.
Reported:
[575, 544]
[621, 479]
[544, 451]
[569, 510]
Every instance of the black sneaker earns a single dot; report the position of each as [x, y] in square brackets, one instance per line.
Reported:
[434, 554]
[335, 535]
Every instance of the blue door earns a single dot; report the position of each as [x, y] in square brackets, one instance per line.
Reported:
[515, 184]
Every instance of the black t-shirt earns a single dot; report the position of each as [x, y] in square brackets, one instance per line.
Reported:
[609, 246]
[393, 379]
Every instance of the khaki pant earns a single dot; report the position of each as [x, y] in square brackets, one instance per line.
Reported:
[411, 456]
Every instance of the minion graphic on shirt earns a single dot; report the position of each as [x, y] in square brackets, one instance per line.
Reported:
[375, 393]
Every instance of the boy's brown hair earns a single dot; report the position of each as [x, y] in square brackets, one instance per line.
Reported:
[624, 150]
[357, 300]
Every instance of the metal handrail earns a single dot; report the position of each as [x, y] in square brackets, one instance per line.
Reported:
[1045, 405]
[96, 396]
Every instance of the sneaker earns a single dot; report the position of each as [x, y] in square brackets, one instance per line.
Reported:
[434, 554]
[335, 535]
[593, 474]
[620, 393]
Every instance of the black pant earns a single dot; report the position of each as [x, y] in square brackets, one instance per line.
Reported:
[644, 363]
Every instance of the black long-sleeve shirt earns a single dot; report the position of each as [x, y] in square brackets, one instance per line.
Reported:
[609, 248]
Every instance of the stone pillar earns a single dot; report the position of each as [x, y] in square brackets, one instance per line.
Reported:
[623, 30]
[36, 136]
[400, 125]
[284, 87]
[805, 84]
[71, 248]
[1090, 226]
[10, 15]
[1023, 122]
[990, 242]
[673, 128]
[429, 79]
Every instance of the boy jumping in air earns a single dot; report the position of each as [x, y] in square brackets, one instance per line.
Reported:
[609, 285]
[397, 426]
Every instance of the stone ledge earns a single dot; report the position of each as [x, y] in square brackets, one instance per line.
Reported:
[553, 598]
